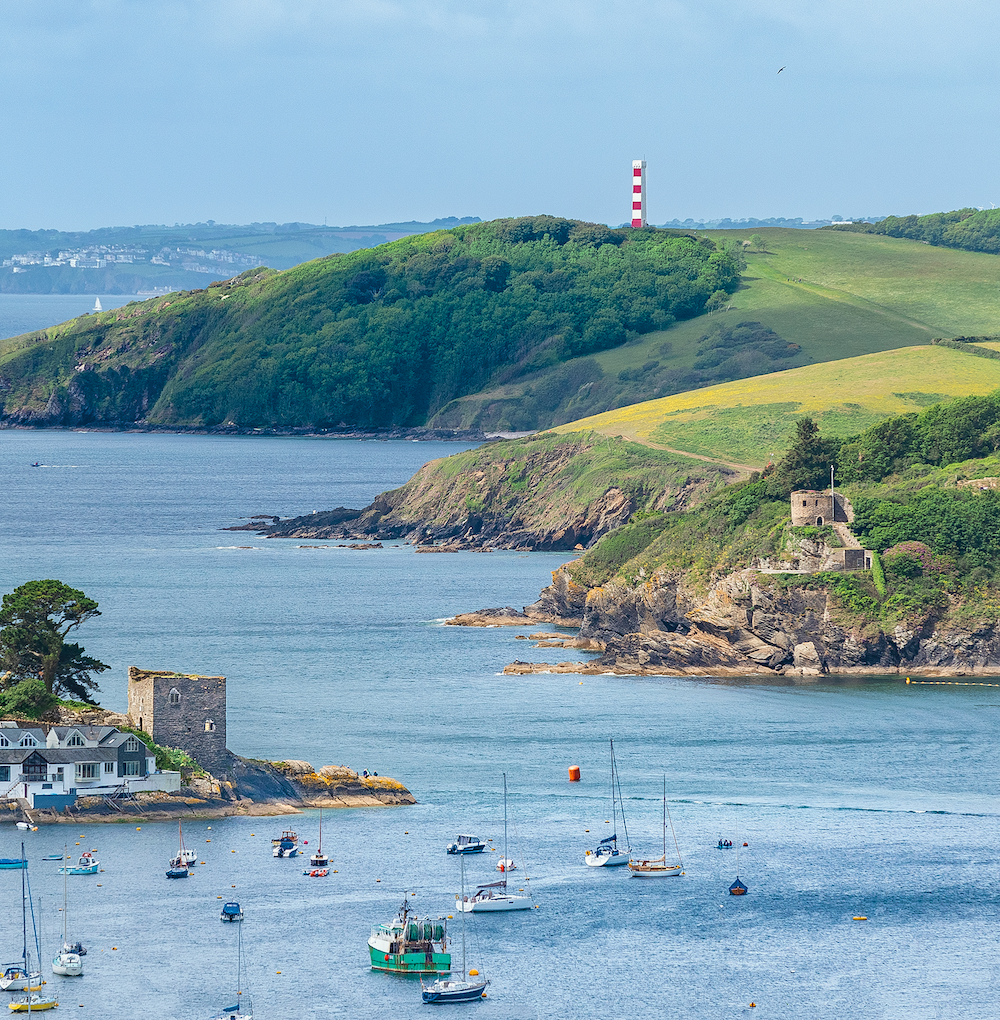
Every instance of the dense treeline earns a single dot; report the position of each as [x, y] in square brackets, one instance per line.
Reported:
[971, 229]
[379, 337]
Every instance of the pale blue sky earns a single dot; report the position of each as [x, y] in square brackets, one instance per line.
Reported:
[368, 111]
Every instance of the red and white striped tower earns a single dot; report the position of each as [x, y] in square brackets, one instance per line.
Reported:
[638, 192]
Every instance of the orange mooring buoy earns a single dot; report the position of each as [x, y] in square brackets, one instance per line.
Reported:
[574, 773]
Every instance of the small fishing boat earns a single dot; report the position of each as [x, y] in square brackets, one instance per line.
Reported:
[466, 845]
[319, 860]
[287, 845]
[317, 873]
[725, 844]
[232, 912]
[406, 944]
[67, 961]
[608, 854]
[54, 857]
[658, 867]
[178, 865]
[493, 896]
[16, 862]
[86, 865]
[738, 888]
[36, 464]
[467, 988]
[23, 826]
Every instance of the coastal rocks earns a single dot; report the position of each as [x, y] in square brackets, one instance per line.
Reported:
[507, 616]
[749, 623]
[563, 602]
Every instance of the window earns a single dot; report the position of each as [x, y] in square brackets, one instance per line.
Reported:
[28, 741]
[133, 768]
[75, 741]
[86, 770]
[209, 726]
[109, 767]
[4, 773]
[174, 697]
[132, 745]
[4, 742]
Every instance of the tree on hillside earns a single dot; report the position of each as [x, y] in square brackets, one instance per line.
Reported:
[36, 618]
[758, 242]
[807, 463]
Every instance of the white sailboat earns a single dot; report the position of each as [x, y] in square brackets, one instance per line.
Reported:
[471, 986]
[67, 961]
[493, 896]
[608, 854]
[242, 1008]
[320, 859]
[22, 978]
[97, 305]
[658, 867]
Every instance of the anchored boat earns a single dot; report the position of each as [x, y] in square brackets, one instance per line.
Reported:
[493, 896]
[67, 961]
[406, 945]
[608, 854]
[658, 867]
[86, 865]
[466, 845]
[242, 1008]
[231, 912]
[319, 860]
[286, 845]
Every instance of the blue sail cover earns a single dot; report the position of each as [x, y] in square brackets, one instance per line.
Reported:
[611, 839]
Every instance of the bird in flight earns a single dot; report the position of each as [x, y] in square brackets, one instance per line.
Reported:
[780, 69]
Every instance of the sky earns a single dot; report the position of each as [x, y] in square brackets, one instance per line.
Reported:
[120, 112]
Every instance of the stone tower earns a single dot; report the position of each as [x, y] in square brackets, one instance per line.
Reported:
[181, 710]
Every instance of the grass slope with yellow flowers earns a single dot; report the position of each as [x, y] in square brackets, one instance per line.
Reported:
[750, 421]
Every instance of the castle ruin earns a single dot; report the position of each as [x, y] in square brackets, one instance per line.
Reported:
[181, 710]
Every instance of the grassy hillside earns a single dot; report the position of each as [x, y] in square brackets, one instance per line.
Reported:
[372, 338]
[834, 294]
[971, 229]
[749, 421]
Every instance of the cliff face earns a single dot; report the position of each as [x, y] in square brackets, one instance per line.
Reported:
[543, 493]
[749, 623]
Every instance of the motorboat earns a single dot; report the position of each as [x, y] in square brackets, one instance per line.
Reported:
[505, 864]
[466, 845]
[317, 872]
[86, 865]
[493, 896]
[608, 854]
[406, 945]
[67, 961]
[658, 866]
[467, 988]
[231, 912]
[287, 845]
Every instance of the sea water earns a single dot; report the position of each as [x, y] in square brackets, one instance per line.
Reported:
[23, 313]
[857, 798]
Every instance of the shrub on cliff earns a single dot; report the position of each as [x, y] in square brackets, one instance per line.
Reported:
[28, 699]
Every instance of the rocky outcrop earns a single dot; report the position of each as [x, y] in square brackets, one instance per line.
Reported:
[749, 623]
[548, 493]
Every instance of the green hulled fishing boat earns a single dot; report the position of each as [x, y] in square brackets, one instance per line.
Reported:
[411, 945]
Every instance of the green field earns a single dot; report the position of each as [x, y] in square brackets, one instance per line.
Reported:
[859, 294]
[749, 421]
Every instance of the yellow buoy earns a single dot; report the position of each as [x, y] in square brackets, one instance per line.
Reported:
[860, 917]
[138, 828]
[473, 972]
[218, 897]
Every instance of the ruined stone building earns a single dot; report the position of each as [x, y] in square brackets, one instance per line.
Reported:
[818, 507]
[181, 710]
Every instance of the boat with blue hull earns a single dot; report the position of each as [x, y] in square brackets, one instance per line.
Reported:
[466, 844]
[608, 854]
[86, 865]
[286, 845]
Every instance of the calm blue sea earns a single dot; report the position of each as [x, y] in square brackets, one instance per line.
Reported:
[856, 798]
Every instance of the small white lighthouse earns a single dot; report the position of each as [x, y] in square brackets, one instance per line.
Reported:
[638, 192]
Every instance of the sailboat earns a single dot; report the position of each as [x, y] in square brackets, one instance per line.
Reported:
[67, 961]
[179, 864]
[737, 888]
[242, 1008]
[97, 305]
[319, 859]
[21, 978]
[607, 854]
[658, 867]
[471, 986]
[493, 895]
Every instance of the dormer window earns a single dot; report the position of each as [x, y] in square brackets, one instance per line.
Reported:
[28, 741]
[133, 745]
[75, 741]
[4, 742]
[209, 726]
[174, 697]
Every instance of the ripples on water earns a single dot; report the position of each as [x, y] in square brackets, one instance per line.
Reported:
[856, 797]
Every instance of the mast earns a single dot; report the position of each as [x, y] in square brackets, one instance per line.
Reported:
[24, 918]
[614, 816]
[617, 780]
[463, 901]
[65, 937]
[506, 858]
[664, 819]
[321, 830]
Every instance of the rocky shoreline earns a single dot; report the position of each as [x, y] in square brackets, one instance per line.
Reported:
[745, 624]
